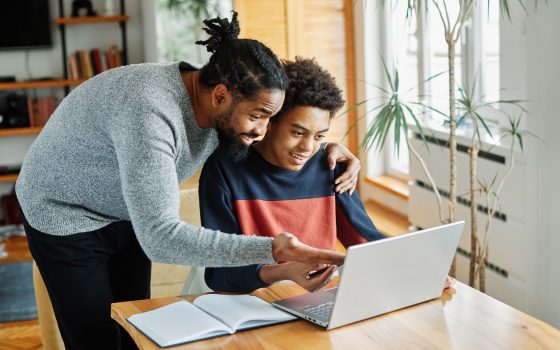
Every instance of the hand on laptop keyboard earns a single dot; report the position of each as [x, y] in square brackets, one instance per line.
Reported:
[300, 273]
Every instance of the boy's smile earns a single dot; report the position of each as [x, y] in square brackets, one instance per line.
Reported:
[295, 137]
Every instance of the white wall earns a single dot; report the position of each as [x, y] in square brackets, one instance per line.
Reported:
[149, 30]
[542, 65]
[48, 62]
[530, 65]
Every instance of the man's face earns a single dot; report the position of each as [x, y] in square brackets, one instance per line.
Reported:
[245, 120]
[296, 137]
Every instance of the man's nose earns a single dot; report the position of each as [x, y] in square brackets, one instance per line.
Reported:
[260, 127]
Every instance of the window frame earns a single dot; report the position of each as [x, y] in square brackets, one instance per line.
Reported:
[472, 52]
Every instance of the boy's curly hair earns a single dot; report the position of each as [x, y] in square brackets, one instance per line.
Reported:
[310, 85]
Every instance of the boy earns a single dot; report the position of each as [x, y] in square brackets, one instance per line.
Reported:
[285, 185]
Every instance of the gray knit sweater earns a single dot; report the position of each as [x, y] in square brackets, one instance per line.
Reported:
[116, 149]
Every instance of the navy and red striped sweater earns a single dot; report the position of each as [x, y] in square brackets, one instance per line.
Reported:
[254, 197]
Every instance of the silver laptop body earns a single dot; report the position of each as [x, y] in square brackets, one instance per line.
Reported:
[382, 276]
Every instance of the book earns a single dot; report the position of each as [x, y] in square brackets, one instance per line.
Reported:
[74, 67]
[85, 64]
[209, 316]
[40, 109]
[113, 56]
[32, 112]
[96, 60]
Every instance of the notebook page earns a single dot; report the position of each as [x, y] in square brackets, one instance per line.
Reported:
[178, 323]
[241, 311]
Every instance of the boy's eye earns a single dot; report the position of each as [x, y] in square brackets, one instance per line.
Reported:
[319, 137]
[298, 133]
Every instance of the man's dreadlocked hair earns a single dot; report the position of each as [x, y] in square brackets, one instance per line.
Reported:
[309, 85]
[245, 66]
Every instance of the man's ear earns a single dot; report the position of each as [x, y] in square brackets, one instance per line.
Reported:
[221, 96]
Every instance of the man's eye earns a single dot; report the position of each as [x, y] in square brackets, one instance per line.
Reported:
[319, 137]
[298, 133]
[254, 117]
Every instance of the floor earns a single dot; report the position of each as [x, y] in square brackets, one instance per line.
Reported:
[25, 335]
[20, 335]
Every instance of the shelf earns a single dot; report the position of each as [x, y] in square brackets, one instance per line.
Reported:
[20, 131]
[90, 19]
[40, 84]
[8, 178]
[390, 184]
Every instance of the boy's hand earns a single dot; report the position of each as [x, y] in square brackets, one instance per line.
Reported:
[297, 272]
[301, 275]
[340, 154]
[449, 282]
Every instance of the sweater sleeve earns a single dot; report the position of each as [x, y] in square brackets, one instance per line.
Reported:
[146, 151]
[216, 212]
[353, 225]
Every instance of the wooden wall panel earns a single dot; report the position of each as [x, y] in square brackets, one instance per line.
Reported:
[324, 38]
[308, 28]
[264, 21]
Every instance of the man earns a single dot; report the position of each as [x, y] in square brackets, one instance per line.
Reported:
[99, 186]
[285, 185]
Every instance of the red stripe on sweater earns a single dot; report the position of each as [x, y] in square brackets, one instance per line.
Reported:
[312, 221]
[347, 235]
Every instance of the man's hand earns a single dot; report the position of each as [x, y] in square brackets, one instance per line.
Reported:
[297, 272]
[286, 247]
[340, 154]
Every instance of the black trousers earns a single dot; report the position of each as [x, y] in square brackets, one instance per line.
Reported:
[84, 273]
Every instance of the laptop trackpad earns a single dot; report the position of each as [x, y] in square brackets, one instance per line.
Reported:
[311, 299]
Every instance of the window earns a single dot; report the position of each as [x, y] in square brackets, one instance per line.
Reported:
[490, 64]
[179, 25]
[402, 53]
[416, 46]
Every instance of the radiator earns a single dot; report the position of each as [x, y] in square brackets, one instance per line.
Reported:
[508, 265]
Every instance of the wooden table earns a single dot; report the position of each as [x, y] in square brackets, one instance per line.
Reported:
[462, 318]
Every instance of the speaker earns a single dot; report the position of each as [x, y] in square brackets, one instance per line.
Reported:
[13, 112]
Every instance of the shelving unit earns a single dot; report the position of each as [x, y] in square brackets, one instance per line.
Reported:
[94, 19]
[8, 178]
[62, 21]
[20, 131]
[40, 84]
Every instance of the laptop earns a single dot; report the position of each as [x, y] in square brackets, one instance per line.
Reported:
[382, 276]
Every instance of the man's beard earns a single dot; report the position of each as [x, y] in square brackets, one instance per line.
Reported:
[229, 138]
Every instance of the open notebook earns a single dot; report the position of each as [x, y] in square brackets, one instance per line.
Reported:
[209, 316]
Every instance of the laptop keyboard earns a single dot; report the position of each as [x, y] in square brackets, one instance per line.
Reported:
[321, 311]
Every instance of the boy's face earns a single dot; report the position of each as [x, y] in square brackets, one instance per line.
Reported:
[296, 137]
